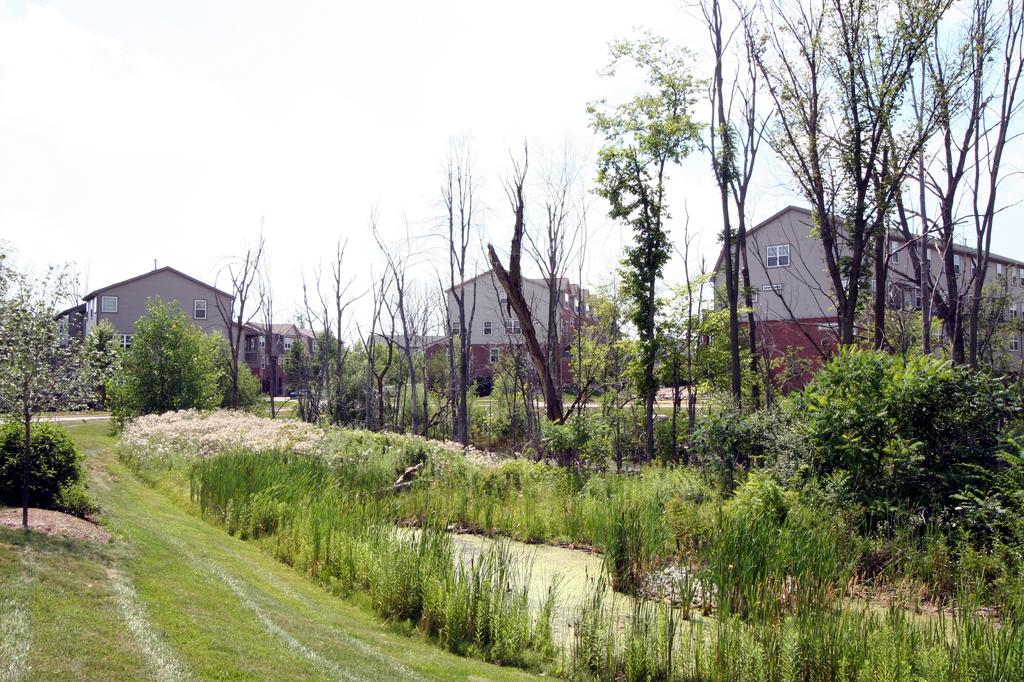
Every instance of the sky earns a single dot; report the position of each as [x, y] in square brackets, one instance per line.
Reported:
[135, 131]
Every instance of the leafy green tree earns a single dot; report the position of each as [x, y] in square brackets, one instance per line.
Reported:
[41, 368]
[102, 357]
[642, 138]
[171, 365]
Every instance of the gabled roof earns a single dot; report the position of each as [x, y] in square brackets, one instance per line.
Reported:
[92, 294]
[80, 309]
[775, 216]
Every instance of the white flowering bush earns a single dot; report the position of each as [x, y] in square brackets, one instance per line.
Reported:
[192, 434]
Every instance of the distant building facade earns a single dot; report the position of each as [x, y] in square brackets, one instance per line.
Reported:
[793, 293]
[494, 329]
[123, 303]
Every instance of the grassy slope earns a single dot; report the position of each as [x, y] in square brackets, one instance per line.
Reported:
[221, 608]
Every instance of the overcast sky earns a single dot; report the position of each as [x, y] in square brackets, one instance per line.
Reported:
[132, 131]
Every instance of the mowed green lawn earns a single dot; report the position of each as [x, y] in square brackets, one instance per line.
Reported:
[173, 598]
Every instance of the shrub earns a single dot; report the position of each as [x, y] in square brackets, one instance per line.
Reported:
[771, 437]
[171, 365]
[74, 498]
[55, 463]
[910, 433]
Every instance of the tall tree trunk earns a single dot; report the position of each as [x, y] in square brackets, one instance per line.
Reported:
[25, 468]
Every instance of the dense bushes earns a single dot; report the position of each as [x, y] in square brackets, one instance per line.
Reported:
[909, 434]
[55, 480]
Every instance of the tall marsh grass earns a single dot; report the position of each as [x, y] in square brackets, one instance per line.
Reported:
[773, 573]
[324, 524]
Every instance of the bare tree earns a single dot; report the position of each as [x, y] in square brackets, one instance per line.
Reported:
[237, 313]
[723, 162]
[990, 141]
[397, 263]
[555, 248]
[341, 299]
[511, 281]
[266, 307]
[838, 73]
[458, 196]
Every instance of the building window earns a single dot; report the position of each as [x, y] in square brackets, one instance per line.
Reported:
[495, 354]
[512, 326]
[503, 303]
[771, 287]
[456, 328]
[126, 341]
[487, 327]
[1013, 311]
[1000, 270]
[108, 304]
[263, 341]
[199, 309]
[956, 264]
[894, 252]
[287, 344]
[917, 298]
[1015, 344]
[778, 256]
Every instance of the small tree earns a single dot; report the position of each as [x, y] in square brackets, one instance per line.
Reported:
[171, 365]
[642, 138]
[103, 358]
[41, 367]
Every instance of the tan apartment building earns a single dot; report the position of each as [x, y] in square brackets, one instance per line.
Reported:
[122, 303]
[494, 329]
[793, 294]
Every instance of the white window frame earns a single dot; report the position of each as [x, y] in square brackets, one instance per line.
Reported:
[1015, 343]
[494, 355]
[126, 341]
[894, 252]
[196, 308]
[287, 343]
[956, 264]
[103, 304]
[487, 327]
[512, 326]
[778, 252]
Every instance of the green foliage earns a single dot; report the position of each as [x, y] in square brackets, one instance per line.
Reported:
[305, 510]
[103, 357]
[582, 437]
[642, 137]
[908, 433]
[771, 438]
[55, 464]
[74, 498]
[171, 365]
[250, 392]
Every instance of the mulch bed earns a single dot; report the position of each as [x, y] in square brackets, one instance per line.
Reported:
[55, 523]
